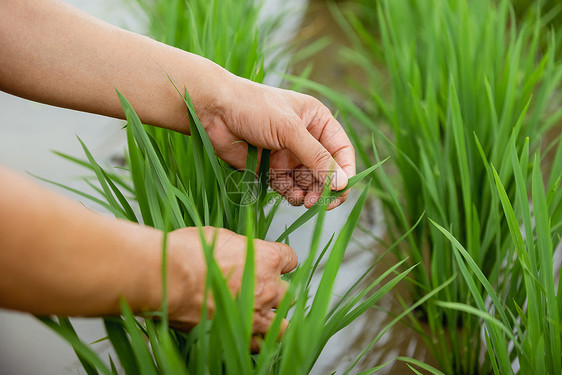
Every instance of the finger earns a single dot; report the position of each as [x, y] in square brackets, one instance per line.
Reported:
[269, 295]
[232, 150]
[281, 291]
[283, 183]
[315, 157]
[263, 320]
[314, 191]
[284, 325]
[255, 343]
[288, 260]
[295, 197]
[257, 340]
[332, 136]
[304, 178]
[345, 158]
[284, 160]
[335, 203]
[312, 198]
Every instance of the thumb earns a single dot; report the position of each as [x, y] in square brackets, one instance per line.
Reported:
[312, 154]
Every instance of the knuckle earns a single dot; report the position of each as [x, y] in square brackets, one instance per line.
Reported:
[291, 127]
[266, 297]
[261, 322]
[313, 102]
[275, 259]
[321, 158]
[290, 256]
[324, 111]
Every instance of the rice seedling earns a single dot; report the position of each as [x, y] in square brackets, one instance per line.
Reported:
[521, 338]
[551, 15]
[221, 344]
[229, 33]
[455, 108]
[172, 181]
[465, 82]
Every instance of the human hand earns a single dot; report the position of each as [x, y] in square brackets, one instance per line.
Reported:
[188, 272]
[305, 139]
[307, 143]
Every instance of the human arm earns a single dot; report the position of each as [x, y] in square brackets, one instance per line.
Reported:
[58, 55]
[57, 257]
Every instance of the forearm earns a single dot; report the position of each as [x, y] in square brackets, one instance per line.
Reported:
[56, 54]
[57, 257]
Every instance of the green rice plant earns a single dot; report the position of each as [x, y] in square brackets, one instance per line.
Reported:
[172, 181]
[463, 81]
[529, 333]
[221, 344]
[550, 11]
[226, 32]
[463, 85]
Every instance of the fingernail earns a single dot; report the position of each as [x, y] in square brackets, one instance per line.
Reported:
[339, 179]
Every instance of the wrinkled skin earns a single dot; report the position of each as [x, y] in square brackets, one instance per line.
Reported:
[271, 261]
[73, 60]
[305, 139]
